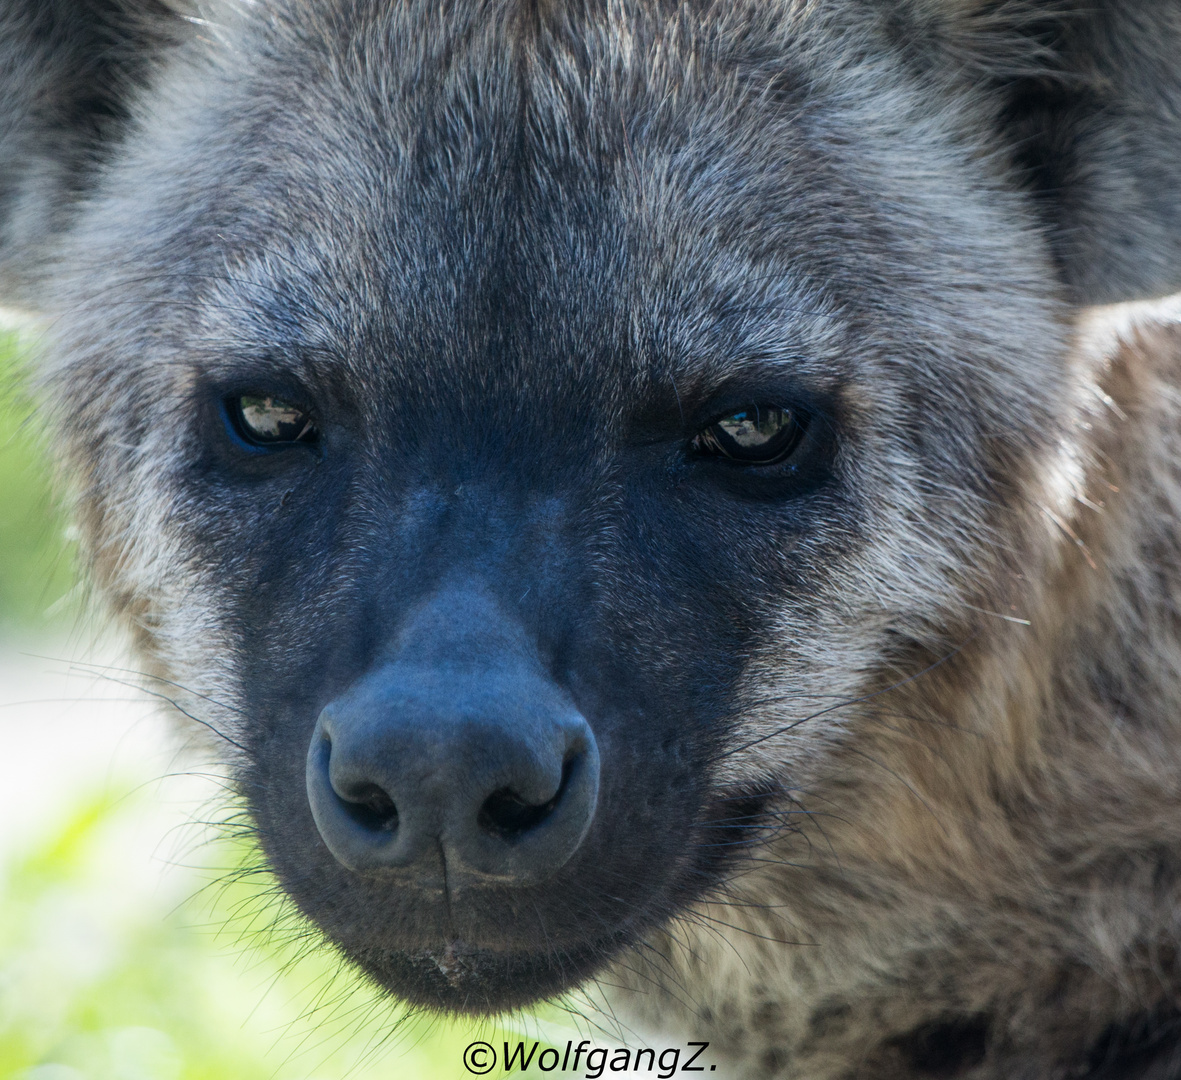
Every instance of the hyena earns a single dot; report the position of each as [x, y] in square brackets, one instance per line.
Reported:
[636, 491]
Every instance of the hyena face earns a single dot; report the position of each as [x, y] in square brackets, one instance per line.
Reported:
[533, 436]
[532, 444]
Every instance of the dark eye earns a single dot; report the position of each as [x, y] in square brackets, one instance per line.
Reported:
[758, 435]
[269, 422]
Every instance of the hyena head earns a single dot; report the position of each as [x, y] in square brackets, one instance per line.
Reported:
[535, 437]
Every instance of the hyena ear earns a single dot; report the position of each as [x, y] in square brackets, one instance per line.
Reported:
[1087, 99]
[68, 69]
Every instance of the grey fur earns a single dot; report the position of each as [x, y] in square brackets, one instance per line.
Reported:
[66, 70]
[908, 207]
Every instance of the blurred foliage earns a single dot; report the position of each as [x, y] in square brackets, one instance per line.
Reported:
[99, 983]
[104, 978]
[36, 566]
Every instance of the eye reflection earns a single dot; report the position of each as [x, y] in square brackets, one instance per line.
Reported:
[271, 422]
[757, 435]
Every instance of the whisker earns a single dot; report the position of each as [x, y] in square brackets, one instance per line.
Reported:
[852, 701]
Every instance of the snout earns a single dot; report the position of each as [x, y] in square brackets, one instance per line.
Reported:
[470, 770]
[489, 810]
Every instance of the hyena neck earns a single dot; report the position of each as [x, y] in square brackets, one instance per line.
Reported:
[974, 888]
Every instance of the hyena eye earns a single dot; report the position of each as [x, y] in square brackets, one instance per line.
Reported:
[758, 435]
[269, 422]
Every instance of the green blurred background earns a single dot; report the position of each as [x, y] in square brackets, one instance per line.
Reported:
[130, 942]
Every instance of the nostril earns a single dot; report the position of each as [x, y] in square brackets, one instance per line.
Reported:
[505, 815]
[352, 803]
[369, 806]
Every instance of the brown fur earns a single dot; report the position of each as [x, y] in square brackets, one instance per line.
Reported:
[996, 841]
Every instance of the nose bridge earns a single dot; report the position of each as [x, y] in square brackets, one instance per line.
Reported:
[475, 554]
[461, 626]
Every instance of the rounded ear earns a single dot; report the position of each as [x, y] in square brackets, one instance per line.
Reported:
[67, 71]
[1087, 101]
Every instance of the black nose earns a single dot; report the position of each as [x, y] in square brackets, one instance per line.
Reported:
[460, 748]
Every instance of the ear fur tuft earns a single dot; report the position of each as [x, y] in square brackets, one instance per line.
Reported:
[1087, 100]
[68, 69]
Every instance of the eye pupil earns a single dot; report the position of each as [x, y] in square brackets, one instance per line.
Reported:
[265, 421]
[756, 435]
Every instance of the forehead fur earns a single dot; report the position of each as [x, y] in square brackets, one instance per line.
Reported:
[421, 172]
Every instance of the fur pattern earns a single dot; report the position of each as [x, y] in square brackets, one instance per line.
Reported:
[912, 708]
